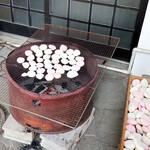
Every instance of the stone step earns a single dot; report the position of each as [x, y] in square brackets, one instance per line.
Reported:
[68, 140]
[14, 131]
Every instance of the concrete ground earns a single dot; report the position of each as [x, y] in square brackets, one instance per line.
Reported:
[109, 100]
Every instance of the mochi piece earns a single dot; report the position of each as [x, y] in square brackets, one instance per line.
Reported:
[47, 61]
[40, 70]
[34, 47]
[28, 52]
[71, 57]
[135, 82]
[49, 77]
[52, 47]
[69, 52]
[31, 74]
[63, 47]
[20, 60]
[39, 54]
[144, 83]
[80, 63]
[72, 62]
[33, 68]
[147, 93]
[57, 75]
[47, 66]
[50, 71]
[132, 107]
[39, 60]
[64, 61]
[60, 70]
[79, 58]
[48, 51]
[145, 129]
[39, 76]
[59, 52]
[145, 139]
[129, 144]
[55, 56]
[72, 74]
[55, 61]
[130, 128]
[31, 57]
[63, 55]
[32, 62]
[131, 115]
[39, 65]
[45, 57]
[75, 68]
[139, 129]
[76, 52]
[43, 47]
[57, 66]
[66, 67]
[145, 120]
[25, 65]
[24, 74]
[131, 122]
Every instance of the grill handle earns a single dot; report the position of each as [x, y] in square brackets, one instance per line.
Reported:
[36, 102]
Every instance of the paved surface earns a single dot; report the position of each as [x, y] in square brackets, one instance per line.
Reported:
[109, 99]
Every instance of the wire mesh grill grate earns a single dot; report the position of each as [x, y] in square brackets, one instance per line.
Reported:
[79, 99]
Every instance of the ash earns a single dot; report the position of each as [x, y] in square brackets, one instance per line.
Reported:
[35, 145]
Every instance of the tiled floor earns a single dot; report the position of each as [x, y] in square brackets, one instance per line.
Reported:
[109, 99]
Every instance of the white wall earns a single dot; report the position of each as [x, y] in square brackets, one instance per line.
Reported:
[144, 41]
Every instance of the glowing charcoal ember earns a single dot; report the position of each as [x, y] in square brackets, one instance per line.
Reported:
[40, 70]
[20, 60]
[25, 65]
[39, 59]
[63, 55]
[57, 66]
[55, 56]
[57, 75]
[50, 71]
[31, 57]
[24, 74]
[69, 52]
[49, 77]
[43, 47]
[39, 76]
[75, 68]
[80, 63]
[76, 52]
[79, 58]
[59, 52]
[28, 52]
[47, 66]
[66, 67]
[55, 61]
[72, 62]
[63, 47]
[60, 70]
[72, 74]
[52, 47]
[31, 74]
[71, 57]
[64, 61]
[48, 51]
[39, 65]
[45, 57]
[34, 47]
